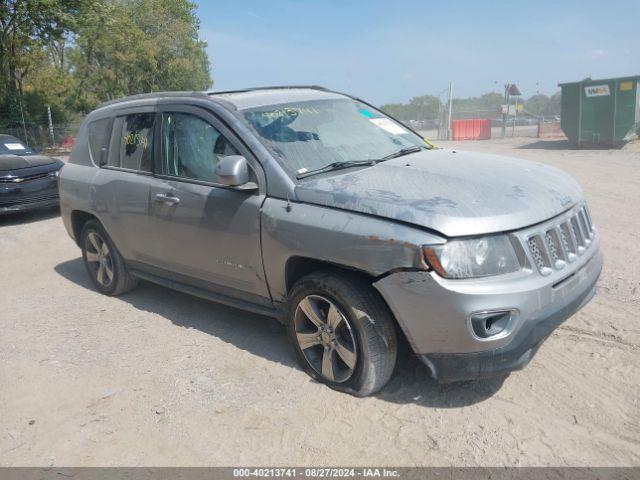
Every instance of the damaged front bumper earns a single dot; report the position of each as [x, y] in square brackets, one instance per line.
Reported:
[435, 314]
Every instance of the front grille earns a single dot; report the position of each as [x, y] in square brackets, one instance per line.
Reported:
[24, 178]
[27, 200]
[561, 241]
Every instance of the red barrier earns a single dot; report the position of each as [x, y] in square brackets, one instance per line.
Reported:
[68, 143]
[471, 129]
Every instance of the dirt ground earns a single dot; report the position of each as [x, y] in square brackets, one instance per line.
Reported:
[160, 378]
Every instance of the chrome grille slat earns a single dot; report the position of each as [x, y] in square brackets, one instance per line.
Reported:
[561, 241]
[539, 253]
[587, 215]
[583, 224]
[567, 239]
[551, 244]
[577, 234]
[557, 249]
[25, 178]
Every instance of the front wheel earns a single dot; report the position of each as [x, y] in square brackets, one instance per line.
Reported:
[342, 332]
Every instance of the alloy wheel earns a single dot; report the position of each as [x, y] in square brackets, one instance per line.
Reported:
[325, 338]
[99, 259]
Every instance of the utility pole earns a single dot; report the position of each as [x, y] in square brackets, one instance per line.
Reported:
[515, 119]
[450, 108]
[51, 138]
[505, 111]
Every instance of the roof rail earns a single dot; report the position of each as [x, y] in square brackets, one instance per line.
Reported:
[277, 87]
[142, 96]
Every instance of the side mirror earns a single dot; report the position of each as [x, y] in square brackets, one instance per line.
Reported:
[233, 171]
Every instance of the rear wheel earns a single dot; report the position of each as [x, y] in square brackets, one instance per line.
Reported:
[103, 262]
[342, 332]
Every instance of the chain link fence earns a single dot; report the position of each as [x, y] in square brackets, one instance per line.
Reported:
[437, 128]
[61, 136]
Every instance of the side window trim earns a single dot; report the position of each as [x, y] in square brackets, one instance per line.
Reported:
[115, 147]
[114, 142]
[176, 109]
[219, 124]
[109, 130]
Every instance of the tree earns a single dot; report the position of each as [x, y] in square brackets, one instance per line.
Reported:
[138, 46]
[26, 28]
[543, 105]
[485, 106]
[425, 107]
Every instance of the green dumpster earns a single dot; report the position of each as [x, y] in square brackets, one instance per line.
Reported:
[600, 112]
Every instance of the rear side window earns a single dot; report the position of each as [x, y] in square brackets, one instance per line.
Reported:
[98, 133]
[136, 148]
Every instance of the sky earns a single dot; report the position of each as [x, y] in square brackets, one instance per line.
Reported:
[389, 51]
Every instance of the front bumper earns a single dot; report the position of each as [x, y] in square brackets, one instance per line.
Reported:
[28, 195]
[451, 367]
[434, 315]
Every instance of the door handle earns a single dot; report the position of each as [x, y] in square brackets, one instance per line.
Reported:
[168, 199]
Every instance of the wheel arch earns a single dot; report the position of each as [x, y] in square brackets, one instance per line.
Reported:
[78, 219]
[299, 266]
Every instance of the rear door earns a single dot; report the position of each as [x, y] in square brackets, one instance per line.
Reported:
[122, 184]
[209, 234]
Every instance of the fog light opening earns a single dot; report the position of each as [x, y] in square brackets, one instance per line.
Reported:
[490, 324]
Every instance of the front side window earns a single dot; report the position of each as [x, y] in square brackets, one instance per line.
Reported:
[136, 149]
[306, 136]
[192, 147]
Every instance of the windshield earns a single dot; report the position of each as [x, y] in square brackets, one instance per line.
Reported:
[14, 146]
[310, 135]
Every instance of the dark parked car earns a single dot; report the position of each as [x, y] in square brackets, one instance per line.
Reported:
[27, 180]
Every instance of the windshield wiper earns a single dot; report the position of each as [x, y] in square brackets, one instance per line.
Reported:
[336, 166]
[357, 163]
[402, 152]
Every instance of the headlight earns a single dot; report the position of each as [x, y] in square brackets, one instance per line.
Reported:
[477, 257]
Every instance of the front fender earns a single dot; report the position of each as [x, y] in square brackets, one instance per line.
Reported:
[362, 242]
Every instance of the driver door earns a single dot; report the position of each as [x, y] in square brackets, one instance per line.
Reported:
[209, 233]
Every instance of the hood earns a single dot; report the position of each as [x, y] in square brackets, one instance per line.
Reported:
[15, 162]
[455, 193]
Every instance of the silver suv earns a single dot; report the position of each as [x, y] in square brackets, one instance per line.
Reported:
[316, 208]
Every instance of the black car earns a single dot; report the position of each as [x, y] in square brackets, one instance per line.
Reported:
[27, 180]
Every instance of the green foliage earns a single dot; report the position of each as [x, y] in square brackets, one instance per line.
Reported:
[26, 28]
[138, 46]
[485, 106]
[543, 105]
[419, 108]
[74, 54]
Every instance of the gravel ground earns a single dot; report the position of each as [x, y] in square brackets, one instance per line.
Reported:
[160, 378]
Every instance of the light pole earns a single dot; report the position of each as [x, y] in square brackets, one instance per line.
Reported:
[450, 108]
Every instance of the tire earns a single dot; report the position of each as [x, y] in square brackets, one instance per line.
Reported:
[364, 329]
[105, 265]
